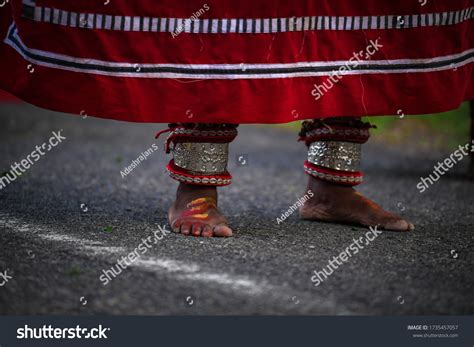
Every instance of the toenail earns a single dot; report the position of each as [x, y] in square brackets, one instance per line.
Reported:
[226, 232]
[184, 229]
[399, 225]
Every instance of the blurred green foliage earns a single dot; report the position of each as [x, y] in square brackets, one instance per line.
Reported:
[453, 126]
[444, 130]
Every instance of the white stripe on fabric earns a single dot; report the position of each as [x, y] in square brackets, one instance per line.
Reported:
[108, 22]
[55, 16]
[135, 23]
[63, 18]
[37, 16]
[214, 26]
[146, 24]
[348, 23]
[82, 20]
[307, 22]
[162, 25]
[172, 23]
[118, 22]
[207, 69]
[179, 25]
[47, 14]
[196, 27]
[154, 25]
[74, 19]
[365, 23]
[127, 25]
[98, 21]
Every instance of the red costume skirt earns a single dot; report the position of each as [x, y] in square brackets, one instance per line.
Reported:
[246, 61]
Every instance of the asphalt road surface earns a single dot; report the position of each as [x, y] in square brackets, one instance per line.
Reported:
[72, 215]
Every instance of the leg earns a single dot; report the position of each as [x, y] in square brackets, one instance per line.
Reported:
[333, 168]
[200, 154]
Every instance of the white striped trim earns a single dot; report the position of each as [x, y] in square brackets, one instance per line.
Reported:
[234, 71]
[243, 26]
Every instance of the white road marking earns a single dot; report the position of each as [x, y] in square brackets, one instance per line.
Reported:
[189, 272]
[180, 270]
[193, 272]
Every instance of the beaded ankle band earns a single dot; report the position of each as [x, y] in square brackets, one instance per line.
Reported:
[200, 156]
[334, 149]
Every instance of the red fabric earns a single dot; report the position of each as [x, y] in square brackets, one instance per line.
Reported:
[6, 97]
[275, 100]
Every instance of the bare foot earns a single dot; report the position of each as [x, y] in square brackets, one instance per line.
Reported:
[341, 204]
[195, 212]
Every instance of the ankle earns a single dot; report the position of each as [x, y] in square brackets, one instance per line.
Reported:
[321, 187]
[190, 191]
